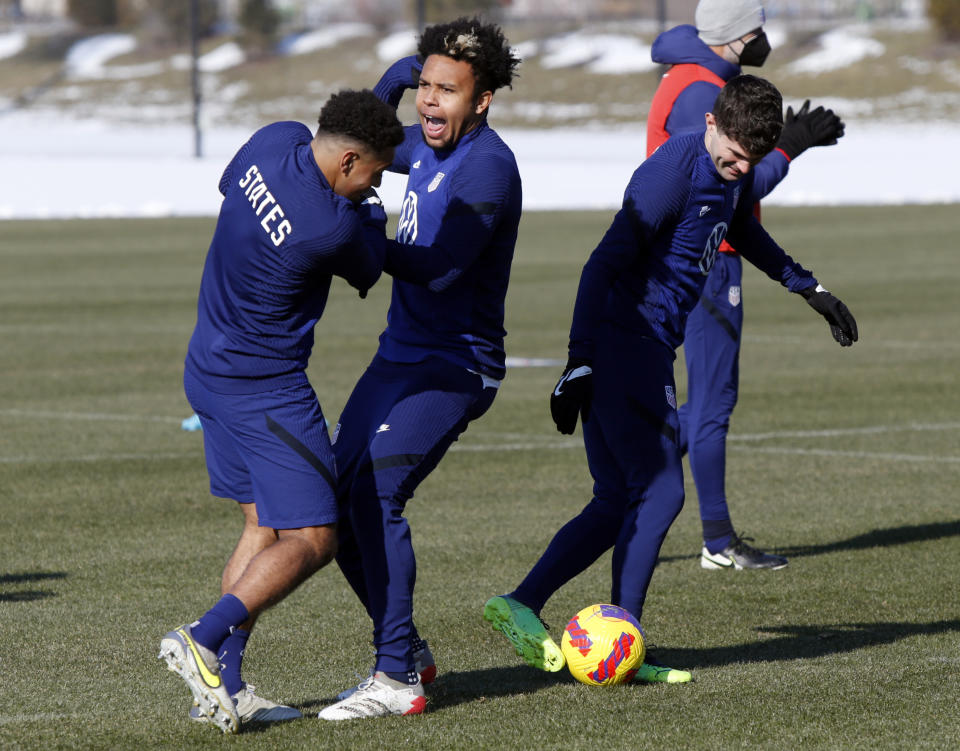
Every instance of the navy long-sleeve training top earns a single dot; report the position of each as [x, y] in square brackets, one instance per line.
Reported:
[455, 240]
[282, 234]
[649, 269]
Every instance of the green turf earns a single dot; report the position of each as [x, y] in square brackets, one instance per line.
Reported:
[110, 538]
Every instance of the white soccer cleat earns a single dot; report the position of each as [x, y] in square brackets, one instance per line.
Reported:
[252, 709]
[423, 663]
[378, 696]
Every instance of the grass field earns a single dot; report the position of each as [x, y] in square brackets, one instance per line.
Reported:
[848, 461]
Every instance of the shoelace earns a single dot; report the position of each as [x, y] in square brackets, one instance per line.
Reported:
[740, 543]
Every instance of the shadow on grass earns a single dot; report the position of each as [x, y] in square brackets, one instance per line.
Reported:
[29, 595]
[789, 643]
[878, 538]
[805, 642]
[455, 688]
[881, 538]
[26, 596]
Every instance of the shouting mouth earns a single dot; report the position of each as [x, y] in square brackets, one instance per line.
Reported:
[433, 126]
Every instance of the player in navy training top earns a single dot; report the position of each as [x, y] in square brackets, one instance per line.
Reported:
[297, 210]
[636, 291]
[729, 33]
[441, 357]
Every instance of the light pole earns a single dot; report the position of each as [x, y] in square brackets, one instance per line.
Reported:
[195, 76]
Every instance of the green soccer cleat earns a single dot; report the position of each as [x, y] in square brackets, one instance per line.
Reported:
[652, 671]
[526, 632]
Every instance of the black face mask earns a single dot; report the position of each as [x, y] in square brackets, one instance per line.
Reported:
[755, 51]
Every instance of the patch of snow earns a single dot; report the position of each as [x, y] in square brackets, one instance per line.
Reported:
[599, 53]
[396, 45]
[221, 58]
[328, 36]
[87, 58]
[838, 49]
[224, 57]
[12, 43]
[776, 34]
[147, 170]
[622, 54]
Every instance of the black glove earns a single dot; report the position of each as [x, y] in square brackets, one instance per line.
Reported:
[805, 129]
[370, 208]
[572, 395]
[842, 324]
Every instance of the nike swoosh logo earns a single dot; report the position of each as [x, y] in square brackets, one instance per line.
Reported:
[582, 370]
[208, 677]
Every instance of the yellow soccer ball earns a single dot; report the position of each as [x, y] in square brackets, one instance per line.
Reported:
[603, 645]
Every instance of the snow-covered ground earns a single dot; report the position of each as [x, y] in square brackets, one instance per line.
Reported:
[56, 166]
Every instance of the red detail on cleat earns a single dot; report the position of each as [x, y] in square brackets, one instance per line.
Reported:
[417, 706]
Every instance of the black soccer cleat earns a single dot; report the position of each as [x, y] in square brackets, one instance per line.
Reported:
[738, 555]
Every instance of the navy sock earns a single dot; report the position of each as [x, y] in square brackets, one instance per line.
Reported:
[231, 657]
[214, 626]
[717, 534]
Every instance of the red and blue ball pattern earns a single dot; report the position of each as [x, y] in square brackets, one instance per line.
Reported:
[603, 645]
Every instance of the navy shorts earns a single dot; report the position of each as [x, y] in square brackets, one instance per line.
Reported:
[270, 448]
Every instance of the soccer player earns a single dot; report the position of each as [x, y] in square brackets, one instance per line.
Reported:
[296, 211]
[728, 35]
[441, 357]
[636, 291]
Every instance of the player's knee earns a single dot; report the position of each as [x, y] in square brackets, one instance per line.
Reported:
[320, 545]
[673, 503]
[610, 506]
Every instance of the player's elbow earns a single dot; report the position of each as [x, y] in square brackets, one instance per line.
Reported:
[444, 282]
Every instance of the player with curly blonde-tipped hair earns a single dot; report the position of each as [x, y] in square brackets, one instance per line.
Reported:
[441, 357]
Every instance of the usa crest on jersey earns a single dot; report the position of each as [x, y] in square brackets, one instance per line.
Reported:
[671, 396]
[733, 295]
[407, 224]
[711, 247]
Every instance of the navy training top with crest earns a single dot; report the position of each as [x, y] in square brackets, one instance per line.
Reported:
[454, 246]
[281, 235]
[650, 268]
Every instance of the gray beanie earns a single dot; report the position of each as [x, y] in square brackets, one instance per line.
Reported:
[723, 21]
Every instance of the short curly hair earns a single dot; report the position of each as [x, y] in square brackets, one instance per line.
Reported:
[749, 110]
[482, 45]
[362, 116]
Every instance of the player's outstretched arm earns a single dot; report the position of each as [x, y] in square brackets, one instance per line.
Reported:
[807, 128]
[801, 130]
[402, 75]
[357, 257]
[843, 326]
